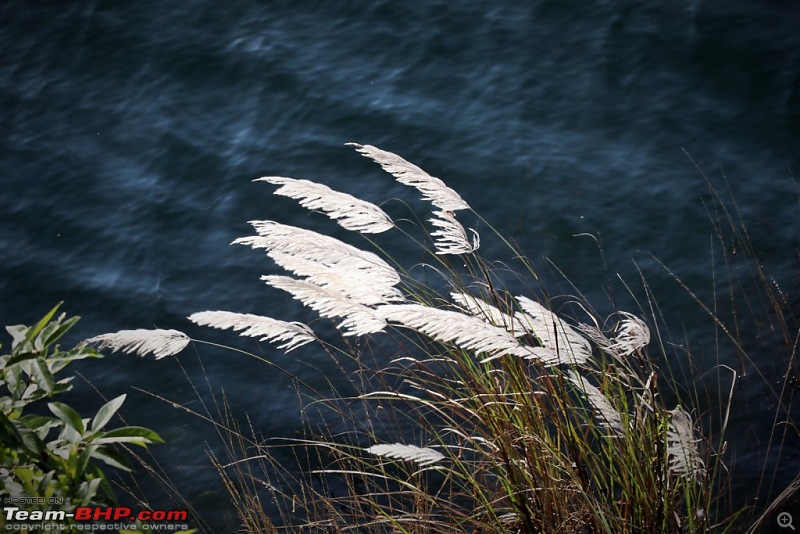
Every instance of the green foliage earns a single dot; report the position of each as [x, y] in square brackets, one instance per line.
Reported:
[55, 456]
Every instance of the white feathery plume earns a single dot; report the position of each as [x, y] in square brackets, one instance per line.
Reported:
[432, 189]
[596, 336]
[159, 343]
[359, 320]
[632, 335]
[348, 211]
[607, 415]
[362, 288]
[445, 326]
[684, 458]
[544, 355]
[420, 455]
[554, 334]
[292, 334]
[451, 237]
[489, 313]
[313, 246]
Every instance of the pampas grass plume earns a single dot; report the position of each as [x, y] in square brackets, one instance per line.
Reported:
[450, 236]
[684, 458]
[292, 334]
[348, 211]
[359, 320]
[446, 326]
[606, 415]
[489, 313]
[433, 189]
[160, 343]
[315, 247]
[420, 455]
[553, 333]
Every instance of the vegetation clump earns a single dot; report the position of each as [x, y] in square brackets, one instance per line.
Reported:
[523, 419]
[50, 454]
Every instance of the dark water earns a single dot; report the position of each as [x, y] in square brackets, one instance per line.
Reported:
[131, 131]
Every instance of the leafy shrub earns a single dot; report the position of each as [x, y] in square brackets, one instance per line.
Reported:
[55, 457]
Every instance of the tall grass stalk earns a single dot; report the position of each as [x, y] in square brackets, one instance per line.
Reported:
[476, 408]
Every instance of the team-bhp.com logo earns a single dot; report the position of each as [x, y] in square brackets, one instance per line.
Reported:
[88, 517]
[121, 513]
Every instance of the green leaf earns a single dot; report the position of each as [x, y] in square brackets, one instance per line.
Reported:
[44, 378]
[8, 432]
[23, 438]
[106, 412]
[21, 356]
[11, 486]
[18, 332]
[106, 491]
[112, 458]
[68, 415]
[16, 382]
[78, 353]
[88, 490]
[137, 435]
[61, 387]
[38, 422]
[81, 463]
[33, 393]
[55, 330]
[24, 475]
[33, 332]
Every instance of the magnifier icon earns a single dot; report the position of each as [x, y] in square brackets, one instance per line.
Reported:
[785, 520]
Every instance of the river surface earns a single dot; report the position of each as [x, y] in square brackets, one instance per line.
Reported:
[583, 131]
